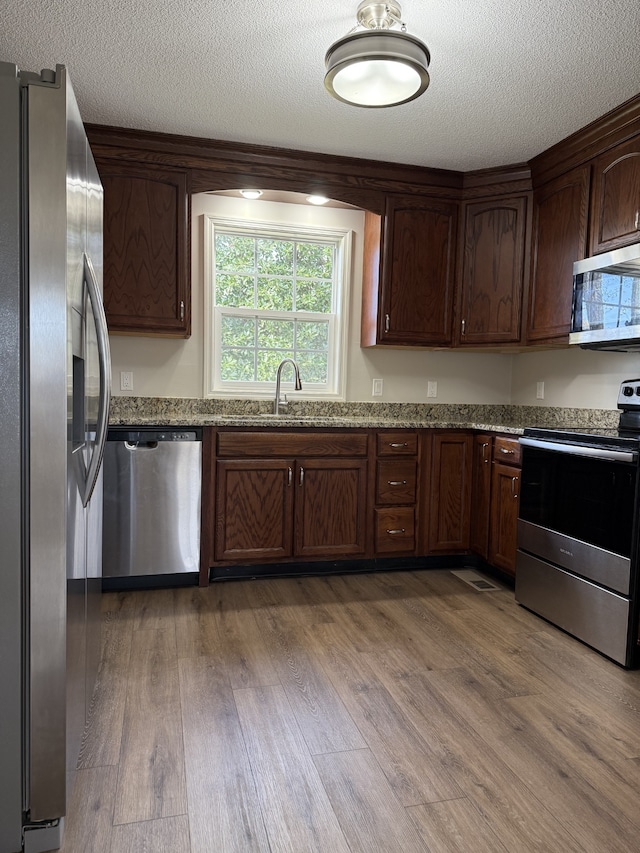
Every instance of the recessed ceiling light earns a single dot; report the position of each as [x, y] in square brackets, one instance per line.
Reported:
[251, 193]
[317, 199]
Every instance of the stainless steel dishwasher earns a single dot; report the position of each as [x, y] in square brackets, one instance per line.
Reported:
[152, 487]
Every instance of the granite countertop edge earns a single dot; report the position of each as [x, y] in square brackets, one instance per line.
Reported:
[251, 414]
[310, 423]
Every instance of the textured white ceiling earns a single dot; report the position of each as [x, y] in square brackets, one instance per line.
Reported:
[508, 79]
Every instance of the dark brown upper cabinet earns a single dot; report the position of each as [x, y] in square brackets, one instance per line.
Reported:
[409, 268]
[493, 272]
[558, 238]
[147, 288]
[615, 198]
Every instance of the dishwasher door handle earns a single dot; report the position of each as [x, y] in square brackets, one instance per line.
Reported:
[141, 445]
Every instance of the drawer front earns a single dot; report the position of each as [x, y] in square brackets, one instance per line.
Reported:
[395, 530]
[403, 442]
[396, 481]
[287, 444]
[506, 450]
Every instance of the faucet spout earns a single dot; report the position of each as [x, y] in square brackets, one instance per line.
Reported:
[282, 401]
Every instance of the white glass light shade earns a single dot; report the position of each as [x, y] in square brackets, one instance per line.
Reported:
[377, 68]
[317, 199]
[251, 193]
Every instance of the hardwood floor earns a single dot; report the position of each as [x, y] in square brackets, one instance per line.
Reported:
[378, 713]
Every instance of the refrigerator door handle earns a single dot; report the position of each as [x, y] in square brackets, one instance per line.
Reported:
[104, 358]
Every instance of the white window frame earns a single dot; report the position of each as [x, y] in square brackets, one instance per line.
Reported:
[335, 387]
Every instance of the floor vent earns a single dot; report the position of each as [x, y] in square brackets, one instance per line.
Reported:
[475, 580]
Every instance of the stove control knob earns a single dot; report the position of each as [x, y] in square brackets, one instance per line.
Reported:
[637, 390]
[627, 391]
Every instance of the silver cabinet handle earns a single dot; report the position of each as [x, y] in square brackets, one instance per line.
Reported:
[397, 482]
[182, 310]
[514, 493]
[508, 452]
[387, 322]
[290, 477]
[464, 323]
[637, 224]
[398, 444]
[301, 475]
[396, 531]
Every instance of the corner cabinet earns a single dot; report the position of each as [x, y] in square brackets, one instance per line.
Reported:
[493, 272]
[450, 492]
[615, 199]
[559, 237]
[147, 289]
[409, 268]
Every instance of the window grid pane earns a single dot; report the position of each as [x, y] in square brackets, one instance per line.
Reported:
[273, 275]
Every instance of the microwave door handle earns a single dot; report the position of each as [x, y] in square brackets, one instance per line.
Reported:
[104, 363]
[577, 450]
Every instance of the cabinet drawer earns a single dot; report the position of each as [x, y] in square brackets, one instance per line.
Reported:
[398, 443]
[287, 444]
[394, 529]
[506, 450]
[396, 481]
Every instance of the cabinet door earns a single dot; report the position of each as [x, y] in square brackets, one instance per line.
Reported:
[254, 509]
[558, 238]
[615, 201]
[505, 491]
[449, 517]
[146, 270]
[481, 495]
[493, 272]
[330, 514]
[418, 260]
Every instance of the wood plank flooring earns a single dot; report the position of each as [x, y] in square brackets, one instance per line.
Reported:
[400, 711]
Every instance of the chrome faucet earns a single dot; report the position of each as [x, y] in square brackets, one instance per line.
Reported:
[298, 385]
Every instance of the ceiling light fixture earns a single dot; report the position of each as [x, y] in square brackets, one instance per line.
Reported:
[317, 199]
[377, 67]
[251, 193]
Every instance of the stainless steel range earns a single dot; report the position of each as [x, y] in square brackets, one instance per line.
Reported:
[578, 530]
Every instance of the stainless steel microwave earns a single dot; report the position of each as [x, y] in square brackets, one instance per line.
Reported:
[606, 301]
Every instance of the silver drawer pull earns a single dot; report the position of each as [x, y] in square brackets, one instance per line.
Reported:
[504, 450]
[397, 482]
[398, 444]
[396, 531]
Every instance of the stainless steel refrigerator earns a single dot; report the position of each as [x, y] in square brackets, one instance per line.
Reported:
[54, 399]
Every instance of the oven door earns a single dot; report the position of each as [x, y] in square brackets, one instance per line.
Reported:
[575, 540]
[577, 509]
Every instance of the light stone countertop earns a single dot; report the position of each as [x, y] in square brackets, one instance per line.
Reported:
[160, 411]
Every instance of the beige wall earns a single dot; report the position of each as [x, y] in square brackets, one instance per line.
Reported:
[174, 368]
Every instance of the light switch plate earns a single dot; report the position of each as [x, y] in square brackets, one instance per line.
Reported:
[376, 390]
[539, 390]
[432, 388]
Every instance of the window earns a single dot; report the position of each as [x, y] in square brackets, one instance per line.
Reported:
[274, 292]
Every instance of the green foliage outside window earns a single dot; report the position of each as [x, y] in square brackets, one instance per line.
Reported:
[270, 275]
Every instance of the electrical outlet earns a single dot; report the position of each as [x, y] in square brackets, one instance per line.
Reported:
[539, 390]
[432, 388]
[376, 390]
[126, 380]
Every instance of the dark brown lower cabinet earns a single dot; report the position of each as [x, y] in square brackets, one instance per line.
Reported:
[505, 492]
[254, 509]
[330, 507]
[450, 492]
[269, 509]
[481, 494]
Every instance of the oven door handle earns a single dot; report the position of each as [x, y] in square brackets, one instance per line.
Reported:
[628, 456]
